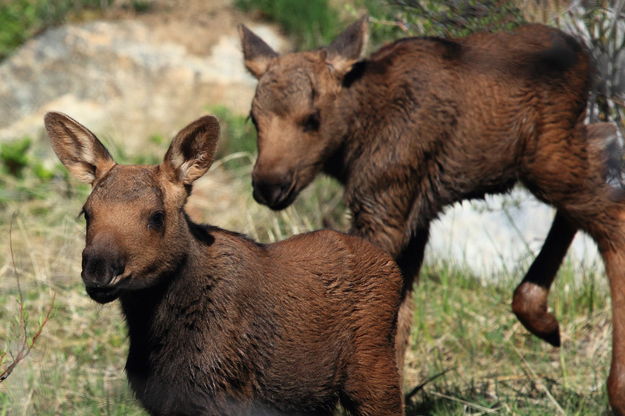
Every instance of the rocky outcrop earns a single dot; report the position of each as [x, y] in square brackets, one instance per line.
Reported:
[122, 76]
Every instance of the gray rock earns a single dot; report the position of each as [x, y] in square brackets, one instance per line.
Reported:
[118, 78]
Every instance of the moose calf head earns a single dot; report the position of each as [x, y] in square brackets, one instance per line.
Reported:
[134, 213]
[294, 98]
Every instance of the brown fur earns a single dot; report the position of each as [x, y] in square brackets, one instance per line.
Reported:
[426, 122]
[219, 324]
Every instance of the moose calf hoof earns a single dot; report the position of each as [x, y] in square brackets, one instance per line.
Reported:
[529, 304]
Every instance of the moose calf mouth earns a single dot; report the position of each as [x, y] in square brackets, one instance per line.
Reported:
[103, 294]
[279, 202]
[284, 202]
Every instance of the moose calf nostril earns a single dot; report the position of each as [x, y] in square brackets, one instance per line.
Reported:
[99, 271]
[118, 269]
[259, 194]
[270, 193]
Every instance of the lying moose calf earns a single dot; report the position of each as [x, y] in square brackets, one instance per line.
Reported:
[221, 325]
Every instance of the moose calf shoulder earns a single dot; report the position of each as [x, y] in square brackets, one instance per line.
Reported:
[219, 324]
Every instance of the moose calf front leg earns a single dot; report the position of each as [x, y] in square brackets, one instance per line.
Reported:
[529, 302]
[409, 256]
[409, 262]
[373, 390]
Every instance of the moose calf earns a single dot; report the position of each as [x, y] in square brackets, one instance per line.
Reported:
[219, 324]
[427, 122]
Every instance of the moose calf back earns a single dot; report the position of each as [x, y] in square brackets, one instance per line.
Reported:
[459, 118]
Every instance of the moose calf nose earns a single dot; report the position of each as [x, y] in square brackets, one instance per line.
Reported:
[99, 268]
[270, 192]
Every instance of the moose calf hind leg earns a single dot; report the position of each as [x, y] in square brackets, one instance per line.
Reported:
[529, 302]
[615, 269]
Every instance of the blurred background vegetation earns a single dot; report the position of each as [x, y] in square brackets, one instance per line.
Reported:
[463, 325]
[22, 19]
[313, 23]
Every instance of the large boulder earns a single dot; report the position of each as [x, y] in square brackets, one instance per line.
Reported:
[124, 77]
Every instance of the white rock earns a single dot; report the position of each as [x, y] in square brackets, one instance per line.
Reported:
[501, 236]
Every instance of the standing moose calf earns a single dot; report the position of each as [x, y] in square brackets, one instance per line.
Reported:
[221, 325]
[426, 122]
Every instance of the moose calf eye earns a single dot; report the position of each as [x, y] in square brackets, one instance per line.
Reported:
[311, 122]
[156, 221]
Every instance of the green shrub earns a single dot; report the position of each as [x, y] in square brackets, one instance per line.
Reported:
[393, 19]
[312, 23]
[20, 20]
[13, 156]
[238, 138]
[15, 160]
[315, 23]
[22, 175]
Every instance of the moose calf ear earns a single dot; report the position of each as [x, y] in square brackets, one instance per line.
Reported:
[349, 46]
[257, 54]
[78, 148]
[191, 153]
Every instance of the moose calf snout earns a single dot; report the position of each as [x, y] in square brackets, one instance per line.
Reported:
[272, 190]
[102, 260]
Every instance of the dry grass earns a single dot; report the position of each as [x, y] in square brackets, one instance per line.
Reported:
[542, 11]
[463, 328]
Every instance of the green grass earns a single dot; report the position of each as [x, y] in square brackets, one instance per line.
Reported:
[491, 364]
[20, 20]
[238, 143]
[315, 23]
[463, 326]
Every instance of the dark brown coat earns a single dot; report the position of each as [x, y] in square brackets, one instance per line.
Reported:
[427, 122]
[219, 324]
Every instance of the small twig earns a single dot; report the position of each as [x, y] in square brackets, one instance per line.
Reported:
[384, 22]
[26, 344]
[427, 381]
[539, 382]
